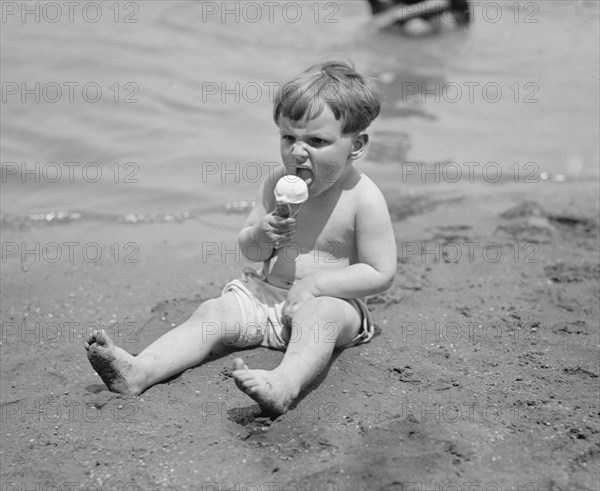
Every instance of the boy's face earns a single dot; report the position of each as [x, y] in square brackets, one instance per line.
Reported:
[317, 151]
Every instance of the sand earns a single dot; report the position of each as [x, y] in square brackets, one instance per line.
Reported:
[483, 375]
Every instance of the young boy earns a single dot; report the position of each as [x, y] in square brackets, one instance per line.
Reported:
[307, 300]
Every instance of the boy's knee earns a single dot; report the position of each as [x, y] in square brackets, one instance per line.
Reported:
[214, 318]
[328, 319]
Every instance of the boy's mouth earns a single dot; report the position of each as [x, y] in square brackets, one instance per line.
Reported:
[305, 174]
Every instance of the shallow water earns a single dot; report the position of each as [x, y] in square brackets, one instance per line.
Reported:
[171, 114]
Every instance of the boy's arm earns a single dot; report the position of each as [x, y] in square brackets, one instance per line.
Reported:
[376, 266]
[376, 247]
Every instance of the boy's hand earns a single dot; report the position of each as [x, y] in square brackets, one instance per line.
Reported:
[277, 230]
[302, 291]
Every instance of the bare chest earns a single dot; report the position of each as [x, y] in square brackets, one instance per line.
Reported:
[327, 228]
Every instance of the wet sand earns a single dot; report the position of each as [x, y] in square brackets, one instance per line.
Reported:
[484, 369]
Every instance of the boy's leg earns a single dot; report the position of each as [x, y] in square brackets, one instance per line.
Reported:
[214, 322]
[320, 325]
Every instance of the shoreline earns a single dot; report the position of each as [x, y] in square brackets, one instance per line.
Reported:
[415, 179]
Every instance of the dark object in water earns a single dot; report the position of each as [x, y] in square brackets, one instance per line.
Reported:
[459, 9]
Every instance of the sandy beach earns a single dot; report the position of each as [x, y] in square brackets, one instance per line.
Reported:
[127, 129]
[484, 369]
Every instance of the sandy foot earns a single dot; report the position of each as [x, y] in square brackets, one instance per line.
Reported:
[111, 362]
[270, 389]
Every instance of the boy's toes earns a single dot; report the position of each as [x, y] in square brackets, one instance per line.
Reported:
[238, 364]
[90, 339]
[97, 337]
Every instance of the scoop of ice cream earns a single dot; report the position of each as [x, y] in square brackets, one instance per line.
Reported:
[291, 190]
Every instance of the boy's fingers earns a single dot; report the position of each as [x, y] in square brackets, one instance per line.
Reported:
[285, 223]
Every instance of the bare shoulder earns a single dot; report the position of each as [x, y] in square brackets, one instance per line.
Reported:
[368, 197]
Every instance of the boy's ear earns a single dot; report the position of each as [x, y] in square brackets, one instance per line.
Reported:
[360, 146]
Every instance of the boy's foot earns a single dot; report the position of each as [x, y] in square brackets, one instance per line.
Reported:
[113, 364]
[270, 389]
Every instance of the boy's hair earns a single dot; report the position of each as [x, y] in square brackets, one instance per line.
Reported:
[352, 97]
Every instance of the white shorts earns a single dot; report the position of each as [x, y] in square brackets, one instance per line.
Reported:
[261, 305]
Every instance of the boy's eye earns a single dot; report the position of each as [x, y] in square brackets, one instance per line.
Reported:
[318, 142]
[287, 138]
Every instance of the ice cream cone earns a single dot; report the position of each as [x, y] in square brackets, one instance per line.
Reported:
[290, 194]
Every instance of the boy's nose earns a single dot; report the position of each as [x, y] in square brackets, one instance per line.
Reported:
[299, 151]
